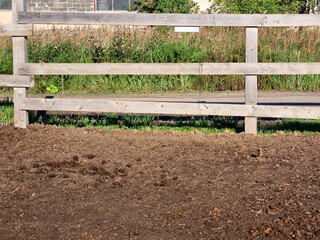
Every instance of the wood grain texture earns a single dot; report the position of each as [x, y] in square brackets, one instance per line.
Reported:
[19, 45]
[246, 20]
[251, 84]
[21, 119]
[168, 68]
[251, 98]
[16, 81]
[16, 30]
[167, 108]
[251, 45]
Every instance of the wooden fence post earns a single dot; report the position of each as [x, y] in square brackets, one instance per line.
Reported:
[19, 45]
[251, 80]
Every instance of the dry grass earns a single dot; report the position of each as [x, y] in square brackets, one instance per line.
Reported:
[162, 44]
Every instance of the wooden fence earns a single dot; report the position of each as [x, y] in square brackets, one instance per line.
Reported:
[22, 27]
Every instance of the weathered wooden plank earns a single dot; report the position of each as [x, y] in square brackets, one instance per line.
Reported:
[167, 108]
[16, 81]
[249, 20]
[251, 85]
[21, 118]
[168, 68]
[16, 30]
[19, 45]
[19, 48]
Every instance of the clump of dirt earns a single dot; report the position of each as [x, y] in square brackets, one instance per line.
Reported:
[59, 183]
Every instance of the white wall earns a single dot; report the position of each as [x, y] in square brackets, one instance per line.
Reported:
[204, 4]
[5, 17]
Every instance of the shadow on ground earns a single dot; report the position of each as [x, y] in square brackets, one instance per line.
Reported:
[210, 124]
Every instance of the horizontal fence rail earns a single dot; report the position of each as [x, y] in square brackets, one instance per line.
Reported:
[168, 68]
[194, 109]
[16, 81]
[236, 20]
[16, 30]
[250, 68]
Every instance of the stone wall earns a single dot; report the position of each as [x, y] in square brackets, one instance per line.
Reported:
[60, 5]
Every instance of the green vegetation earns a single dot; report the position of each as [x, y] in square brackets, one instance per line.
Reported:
[163, 45]
[113, 121]
[259, 6]
[143, 123]
[165, 6]
[6, 112]
[211, 125]
[300, 126]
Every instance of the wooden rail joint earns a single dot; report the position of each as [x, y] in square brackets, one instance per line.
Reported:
[16, 30]
[16, 81]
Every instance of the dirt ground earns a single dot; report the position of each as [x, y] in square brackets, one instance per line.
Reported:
[58, 183]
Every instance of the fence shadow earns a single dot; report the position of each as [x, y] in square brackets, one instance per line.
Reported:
[290, 125]
[208, 124]
[6, 102]
[184, 123]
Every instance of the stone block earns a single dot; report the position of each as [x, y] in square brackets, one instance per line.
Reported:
[86, 5]
[31, 5]
[72, 9]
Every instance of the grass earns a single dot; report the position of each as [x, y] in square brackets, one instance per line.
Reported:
[163, 45]
[210, 125]
[143, 123]
[300, 126]
[6, 112]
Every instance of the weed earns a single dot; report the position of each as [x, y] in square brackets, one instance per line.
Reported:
[163, 45]
[6, 112]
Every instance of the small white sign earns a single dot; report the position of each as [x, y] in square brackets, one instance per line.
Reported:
[187, 29]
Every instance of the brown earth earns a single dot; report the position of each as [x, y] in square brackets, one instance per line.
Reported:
[58, 183]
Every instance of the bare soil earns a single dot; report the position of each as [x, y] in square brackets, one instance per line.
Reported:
[58, 183]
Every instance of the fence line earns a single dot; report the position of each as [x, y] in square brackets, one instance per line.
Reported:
[17, 30]
[16, 81]
[19, 46]
[251, 83]
[189, 20]
[169, 108]
[168, 68]
[22, 27]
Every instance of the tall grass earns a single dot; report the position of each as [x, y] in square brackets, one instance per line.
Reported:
[6, 112]
[163, 45]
